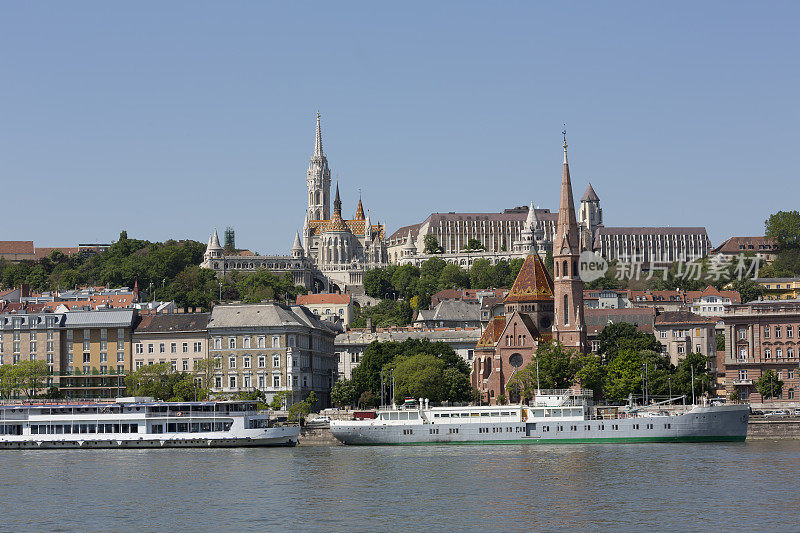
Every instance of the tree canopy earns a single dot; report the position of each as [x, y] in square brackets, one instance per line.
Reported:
[421, 369]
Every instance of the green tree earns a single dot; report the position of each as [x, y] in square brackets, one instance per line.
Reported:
[473, 245]
[591, 374]
[278, 400]
[748, 289]
[557, 365]
[620, 336]
[432, 244]
[385, 314]
[784, 228]
[404, 280]
[453, 277]
[31, 376]
[8, 381]
[343, 393]
[624, 375]
[768, 385]
[156, 380]
[481, 275]
[378, 283]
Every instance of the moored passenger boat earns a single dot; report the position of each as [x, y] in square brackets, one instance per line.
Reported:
[141, 423]
[557, 416]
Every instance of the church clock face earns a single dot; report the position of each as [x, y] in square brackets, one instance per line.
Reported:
[545, 322]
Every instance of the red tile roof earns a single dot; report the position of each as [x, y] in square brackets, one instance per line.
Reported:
[16, 247]
[736, 245]
[333, 299]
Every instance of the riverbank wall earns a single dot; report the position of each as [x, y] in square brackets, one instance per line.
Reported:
[776, 428]
[317, 437]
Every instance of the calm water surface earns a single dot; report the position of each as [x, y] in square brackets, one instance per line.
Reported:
[664, 487]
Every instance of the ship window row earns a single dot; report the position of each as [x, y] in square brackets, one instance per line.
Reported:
[471, 414]
[60, 429]
[15, 429]
[190, 427]
[399, 416]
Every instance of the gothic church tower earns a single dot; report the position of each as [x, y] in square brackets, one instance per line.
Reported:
[319, 181]
[568, 325]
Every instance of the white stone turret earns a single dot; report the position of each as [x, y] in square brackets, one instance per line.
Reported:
[297, 248]
[409, 248]
[213, 250]
[590, 217]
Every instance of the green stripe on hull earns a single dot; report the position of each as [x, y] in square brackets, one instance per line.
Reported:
[609, 440]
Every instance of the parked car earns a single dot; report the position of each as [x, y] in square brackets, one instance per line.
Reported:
[777, 413]
[796, 412]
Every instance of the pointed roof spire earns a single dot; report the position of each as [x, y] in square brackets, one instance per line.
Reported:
[409, 242]
[359, 209]
[590, 195]
[337, 202]
[531, 221]
[533, 282]
[567, 230]
[318, 140]
[297, 245]
[215, 241]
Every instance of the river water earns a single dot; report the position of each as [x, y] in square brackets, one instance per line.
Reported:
[663, 487]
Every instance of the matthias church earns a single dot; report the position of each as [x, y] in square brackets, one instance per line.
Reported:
[332, 254]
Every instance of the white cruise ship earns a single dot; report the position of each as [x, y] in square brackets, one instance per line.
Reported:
[140, 423]
[557, 416]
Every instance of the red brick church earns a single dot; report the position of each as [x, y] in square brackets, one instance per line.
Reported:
[537, 309]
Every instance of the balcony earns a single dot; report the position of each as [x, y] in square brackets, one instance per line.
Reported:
[742, 382]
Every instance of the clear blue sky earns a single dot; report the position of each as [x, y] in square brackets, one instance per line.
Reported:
[170, 118]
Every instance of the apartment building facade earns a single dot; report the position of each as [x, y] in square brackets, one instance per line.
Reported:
[96, 352]
[273, 348]
[761, 336]
[180, 339]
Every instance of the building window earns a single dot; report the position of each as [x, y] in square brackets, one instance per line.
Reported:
[779, 353]
[262, 342]
[173, 347]
[246, 381]
[681, 349]
[790, 394]
[103, 357]
[276, 380]
[120, 357]
[217, 382]
[150, 348]
[232, 382]
[276, 361]
[292, 341]
[198, 347]
[777, 332]
[217, 343]
[767, 353]
[185, 365]
[662, 334]
[139, 348]
[245, 362]
[162, 347]
[232, 362]
[174, 364]
[742, 374]
[262, 361]
[276, 341]
[789, 332]
[790, 352]
[139, 364]
[231, 343]
[261, 382]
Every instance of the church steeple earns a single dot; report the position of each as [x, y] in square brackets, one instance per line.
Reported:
[318, 180]
[318, 140]
[568, 327]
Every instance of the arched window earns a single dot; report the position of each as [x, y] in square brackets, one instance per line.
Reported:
[790, 394]
[566, 309]
[564, 271]
[556, 269]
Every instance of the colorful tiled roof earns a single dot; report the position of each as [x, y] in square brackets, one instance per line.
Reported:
[356, 227]
[533, 282]
[492, 332]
